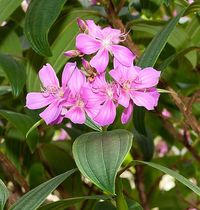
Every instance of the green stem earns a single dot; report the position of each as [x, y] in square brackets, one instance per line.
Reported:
[120, 200]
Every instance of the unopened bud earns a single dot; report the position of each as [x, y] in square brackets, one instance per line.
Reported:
[86, 64]
[72, 53]
[82, 25]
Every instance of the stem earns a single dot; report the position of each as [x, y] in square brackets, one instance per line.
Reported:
[120, 200]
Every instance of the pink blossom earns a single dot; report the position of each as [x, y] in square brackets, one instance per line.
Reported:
[81, 100]
[136, 85]
[103, 41]
[52, 95]
[166, 113]
[106, 96]
[161, 148]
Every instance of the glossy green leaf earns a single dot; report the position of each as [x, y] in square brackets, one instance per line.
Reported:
[172, 173]
[92, 125]
[22, 122]
[3, 195]
[34, 198]
[63, 204]
[34, 127]
[36, 29]
[99, 155]
[7, 8]
[15, 73]
[66, 38]
[157, 44]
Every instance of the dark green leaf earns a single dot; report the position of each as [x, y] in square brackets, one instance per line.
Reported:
[133, 205]
[39, 18]
[99, 155]
[3, 195]
[7, 8]
[63, 204]
[105, 205]
[34, 198]
[92, 125]
[172, 173]
[154, 49]
[15, 73]
[22, 122]
[34, 127]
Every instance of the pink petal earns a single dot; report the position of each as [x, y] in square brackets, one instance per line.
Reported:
[93, 29]
[67, 73]
[100, 60]
[107, 113]
[48, 76]
[51, 113]
[148, 77]
[123, 55]
[126, 115]
[87, 44]
[37, 100]
[124, 98]
[76, 81]
[143, 99]
[154, 93]
[117, 75]
[76, 115]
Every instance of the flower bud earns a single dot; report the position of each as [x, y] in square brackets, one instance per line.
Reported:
[72, 53]
[82, 25]
[86, 64]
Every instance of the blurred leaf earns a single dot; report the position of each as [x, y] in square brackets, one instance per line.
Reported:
[85, 3]
[34, 127]
[22, 122]
[194, 7]
[133, 205]
[34, 198]
[172, 173]
[15, 73]
[157, 44]
[5, 90]
[66, 38]
[104, 205]
[39, 18]
[63, 204]
[3, 195]
[7, 8]
[99, 156]
[92, 125]
[138, 119]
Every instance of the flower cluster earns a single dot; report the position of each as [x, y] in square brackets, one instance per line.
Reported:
[86, 91]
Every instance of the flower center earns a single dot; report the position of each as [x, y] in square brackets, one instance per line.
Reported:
[127, 85]
[53, 90]
[80, 103]
[106, 43]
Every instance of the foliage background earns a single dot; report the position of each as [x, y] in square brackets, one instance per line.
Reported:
[30, 39]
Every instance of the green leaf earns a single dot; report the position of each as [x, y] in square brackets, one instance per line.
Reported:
[63, 204]
[133, 205]
[22, 122]
[34, 127]
[99, 155]
[92, 125]
[39, 18]
[194, 7]
[34, 198]
[105, 205]
[7, 8]
[3, 195]
[172, 173]
[157, 44]
[15, 73]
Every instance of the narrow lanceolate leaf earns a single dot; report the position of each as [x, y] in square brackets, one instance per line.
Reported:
[33, 199]
[22, 122]
[157, 44]
[7, 8]
[174, 174]
[15, 73]
[92, 125]
[63, 204]
[99, 155]
[3, 195]
[39, 19]
[33, 127]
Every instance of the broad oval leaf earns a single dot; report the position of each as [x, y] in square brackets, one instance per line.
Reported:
[23, 123]
[63, 204]
[34, 198]
[3, 195]
[172, 173]
[99, 155]
[36, 29]
[15, 73]
[7, 8]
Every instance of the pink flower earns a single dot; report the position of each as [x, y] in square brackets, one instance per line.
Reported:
[136, 85]
[81, 100]
[52, 95]
[161, 148]
[106, 96]
[166, 113]
[103, 41]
